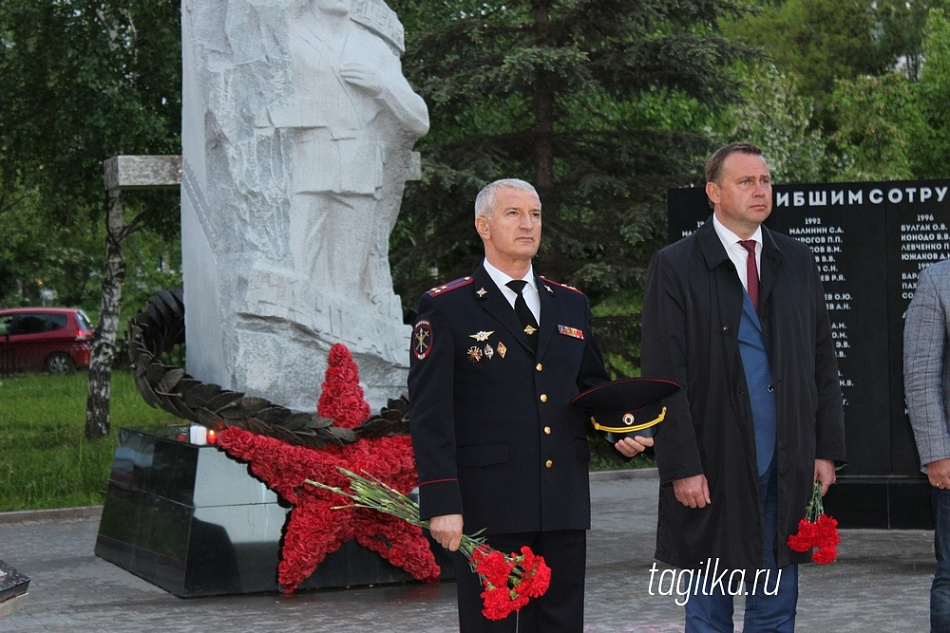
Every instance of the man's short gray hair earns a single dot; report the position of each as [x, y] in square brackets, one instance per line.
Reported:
[485, 200]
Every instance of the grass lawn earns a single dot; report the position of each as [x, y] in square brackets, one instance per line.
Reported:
[47, 462]
[45, 459]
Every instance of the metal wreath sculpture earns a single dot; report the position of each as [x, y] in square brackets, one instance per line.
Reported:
[155, 331]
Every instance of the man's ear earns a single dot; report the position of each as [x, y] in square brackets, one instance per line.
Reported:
[483, 227]
[712, 192]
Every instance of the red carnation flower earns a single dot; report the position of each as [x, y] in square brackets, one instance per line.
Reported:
[816, 530]
[509, 581]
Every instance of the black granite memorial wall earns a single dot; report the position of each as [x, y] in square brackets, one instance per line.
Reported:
[870, 240]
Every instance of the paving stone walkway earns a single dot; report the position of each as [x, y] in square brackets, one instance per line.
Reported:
[880, 583]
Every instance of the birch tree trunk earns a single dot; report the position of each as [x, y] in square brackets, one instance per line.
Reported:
[103, 348]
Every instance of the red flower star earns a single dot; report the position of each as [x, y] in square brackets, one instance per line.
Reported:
[315, 529]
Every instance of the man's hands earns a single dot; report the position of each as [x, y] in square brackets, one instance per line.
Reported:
[938, 472]
[632, 446]
[692, 491]
[825, 471]
[446, 529]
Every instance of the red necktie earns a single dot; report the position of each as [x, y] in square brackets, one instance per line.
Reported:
[752, 273]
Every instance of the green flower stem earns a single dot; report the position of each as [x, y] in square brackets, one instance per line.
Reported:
[815, 507]
[371, 493]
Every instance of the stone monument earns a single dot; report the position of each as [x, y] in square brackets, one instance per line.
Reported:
[297, 135]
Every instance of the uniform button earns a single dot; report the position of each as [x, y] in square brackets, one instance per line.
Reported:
[538, 367]
[771, 388]
[544, 397]
[547, 430]
[549, 463]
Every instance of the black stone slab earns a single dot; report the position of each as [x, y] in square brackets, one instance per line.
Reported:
[12, 582]
[195, 522]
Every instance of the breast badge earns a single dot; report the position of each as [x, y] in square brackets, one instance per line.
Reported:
[474, 354]
[571, 331]
[482, 336]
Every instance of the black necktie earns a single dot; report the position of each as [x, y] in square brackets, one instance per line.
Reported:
[524, 312]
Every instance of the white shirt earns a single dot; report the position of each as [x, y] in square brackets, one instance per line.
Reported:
[737, 252]
[530, 292]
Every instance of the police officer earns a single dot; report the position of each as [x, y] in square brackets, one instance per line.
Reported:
[495, 360]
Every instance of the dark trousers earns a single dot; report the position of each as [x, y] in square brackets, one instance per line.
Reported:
[940, 589]
[770, 605]
[559, 610]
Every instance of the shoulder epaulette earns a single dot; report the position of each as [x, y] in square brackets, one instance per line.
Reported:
[554, 283]
[452, 285]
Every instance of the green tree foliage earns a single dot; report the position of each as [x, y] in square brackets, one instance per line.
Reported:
[878, 121]
[854, 64]
[39, 256]
[899, 32]
[84, 80]
[932, 154]
[776, 116]
[559, 92]
[817, 40]
[20, 245]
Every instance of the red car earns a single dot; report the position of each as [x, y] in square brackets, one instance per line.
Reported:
[57, 340]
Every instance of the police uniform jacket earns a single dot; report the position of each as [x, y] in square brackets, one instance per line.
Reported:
[495, 436]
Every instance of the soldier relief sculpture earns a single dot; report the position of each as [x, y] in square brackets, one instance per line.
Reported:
[308, 126]
[351, 115]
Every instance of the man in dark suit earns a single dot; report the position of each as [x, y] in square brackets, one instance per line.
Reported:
[736, 314]
[498, 445]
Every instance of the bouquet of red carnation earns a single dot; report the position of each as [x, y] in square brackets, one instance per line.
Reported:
[510, 581]
[816, 530]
